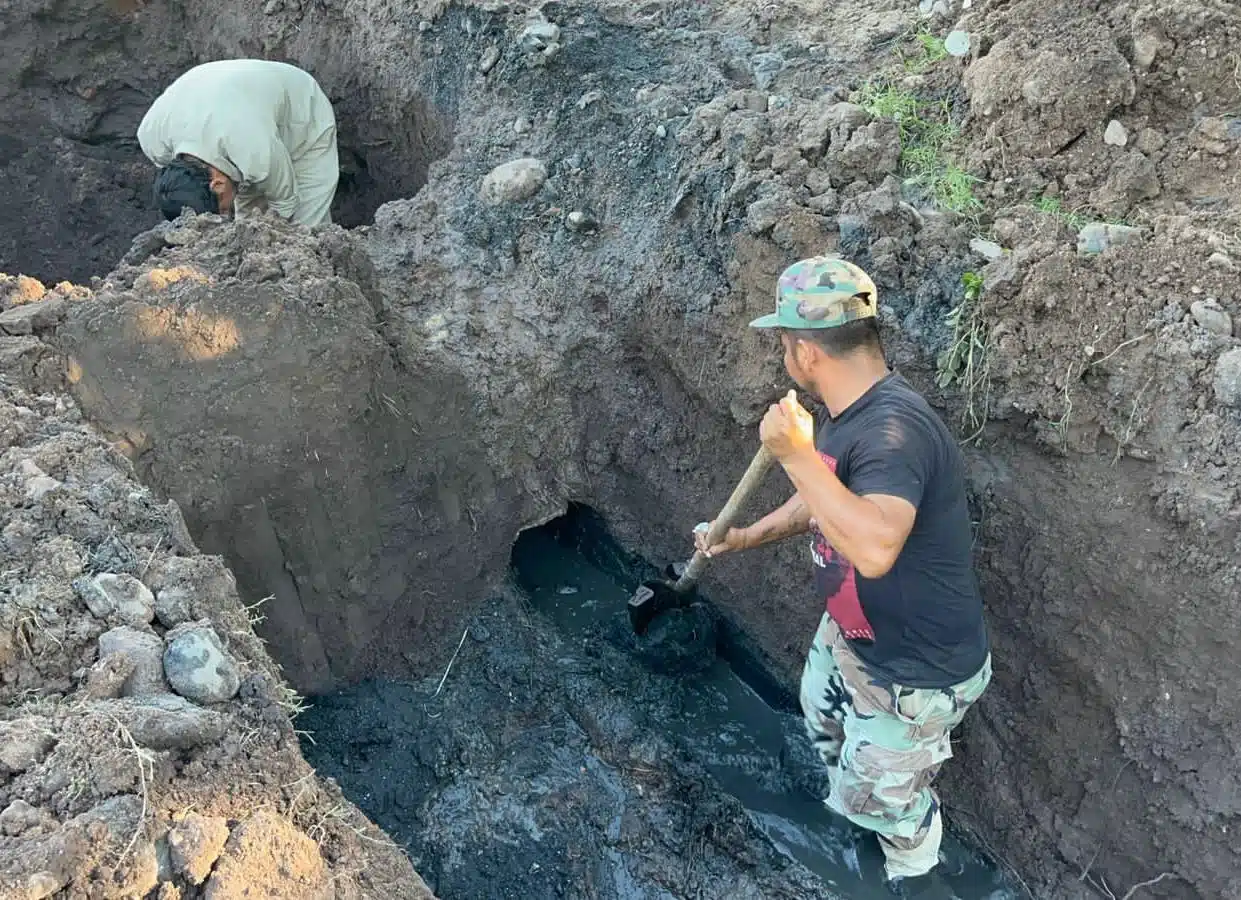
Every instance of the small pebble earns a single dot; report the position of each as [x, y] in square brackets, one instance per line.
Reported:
[986, 249]
[661, 131]
[566, 590]
[1115, 134]
[522, 125]
[957, 43]
[490, 57]
[480, 633]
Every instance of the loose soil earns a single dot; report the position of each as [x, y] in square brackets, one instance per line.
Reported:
[361, 422]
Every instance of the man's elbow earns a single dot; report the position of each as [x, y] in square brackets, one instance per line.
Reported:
[878, 562]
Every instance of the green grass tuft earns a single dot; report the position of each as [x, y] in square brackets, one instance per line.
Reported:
[927, 133]
[930, 50]
[966, 362]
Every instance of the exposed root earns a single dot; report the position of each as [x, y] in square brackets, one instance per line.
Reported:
[144, 758]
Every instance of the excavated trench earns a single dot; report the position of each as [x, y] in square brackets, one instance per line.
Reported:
[363, 424]
[563, 752]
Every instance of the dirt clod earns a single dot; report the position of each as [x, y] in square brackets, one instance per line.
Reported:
[194, 844]
[266, 857]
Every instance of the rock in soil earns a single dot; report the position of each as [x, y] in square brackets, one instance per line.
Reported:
[514, 181]
[145, 650]
[123, 596]
[197, 665]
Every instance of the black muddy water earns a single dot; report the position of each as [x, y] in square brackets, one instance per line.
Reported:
[560, 756]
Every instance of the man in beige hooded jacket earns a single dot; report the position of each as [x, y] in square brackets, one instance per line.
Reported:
[240, 135]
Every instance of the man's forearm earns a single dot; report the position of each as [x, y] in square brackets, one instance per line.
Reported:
[854, 525]
[791, 519]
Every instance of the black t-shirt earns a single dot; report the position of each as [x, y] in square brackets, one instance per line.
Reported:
[921, 623]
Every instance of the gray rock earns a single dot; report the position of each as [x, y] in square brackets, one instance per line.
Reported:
[522, 125]
[1115, 134]
[986, 249]
[514, 181]
[539, 35]
[490, 57]
[1228, 377]
[1145, 49]
[123, 596]
[24, 743]
[580, 221]
[32, 317]
[1099, 236]
[174, 605]
[957, 43]
[198, 667]
[166, 722]
[1211, 317]
[1221, 260]
[146, 650]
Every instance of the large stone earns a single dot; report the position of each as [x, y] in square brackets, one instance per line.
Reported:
[123, 596]
[197, 665]
[194, 844]
[514, 181]
[1228, 377]
[146, 650]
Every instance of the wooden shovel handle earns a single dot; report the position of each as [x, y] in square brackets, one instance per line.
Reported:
[728, 515]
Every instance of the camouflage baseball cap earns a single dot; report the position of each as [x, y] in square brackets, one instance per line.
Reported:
[821, 292]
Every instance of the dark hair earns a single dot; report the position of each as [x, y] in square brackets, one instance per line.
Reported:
[843, 340]
[184, 183]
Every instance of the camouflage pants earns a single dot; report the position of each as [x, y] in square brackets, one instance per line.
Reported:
[883, 744]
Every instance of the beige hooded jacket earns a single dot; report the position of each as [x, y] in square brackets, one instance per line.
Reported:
[266, 125]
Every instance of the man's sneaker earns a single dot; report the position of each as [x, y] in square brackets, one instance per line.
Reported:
[923, 887]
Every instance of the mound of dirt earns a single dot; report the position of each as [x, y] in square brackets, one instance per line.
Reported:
[111, 784]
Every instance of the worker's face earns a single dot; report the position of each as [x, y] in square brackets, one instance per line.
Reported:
[224, 191]
[801, 361]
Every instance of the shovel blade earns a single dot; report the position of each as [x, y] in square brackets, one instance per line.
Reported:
[652, 598]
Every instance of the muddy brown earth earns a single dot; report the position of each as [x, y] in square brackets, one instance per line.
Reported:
[362, 422]
[146, 746]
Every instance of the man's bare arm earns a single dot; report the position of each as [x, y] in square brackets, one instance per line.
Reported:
[791, 519]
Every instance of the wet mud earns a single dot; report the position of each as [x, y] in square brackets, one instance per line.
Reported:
[560, 756]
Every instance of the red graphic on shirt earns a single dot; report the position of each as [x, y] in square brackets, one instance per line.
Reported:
[839, 582]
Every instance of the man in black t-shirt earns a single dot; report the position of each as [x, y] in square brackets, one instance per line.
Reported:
[901, 652]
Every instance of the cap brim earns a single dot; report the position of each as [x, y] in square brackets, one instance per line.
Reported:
[769, 321]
